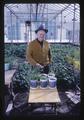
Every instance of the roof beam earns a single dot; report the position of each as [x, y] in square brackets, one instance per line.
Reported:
[36, 11]
[61, 11]
[72, 9]
[11, 11]
[40, 6]
[43, 10]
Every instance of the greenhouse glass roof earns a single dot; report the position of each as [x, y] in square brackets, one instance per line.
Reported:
[45, 12]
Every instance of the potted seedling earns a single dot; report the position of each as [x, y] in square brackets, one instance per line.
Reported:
[52, 82]
[51, 74]
[43, 82]
[34, 81]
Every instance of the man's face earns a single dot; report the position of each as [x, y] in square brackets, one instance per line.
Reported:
[41, 35]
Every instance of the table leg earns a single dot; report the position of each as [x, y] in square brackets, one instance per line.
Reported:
[54, 106]
[44, 108]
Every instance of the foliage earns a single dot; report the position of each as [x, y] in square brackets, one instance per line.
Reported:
[14, 53]
[42, 77]
[18, 50]
[67, 75]
[64, 70]
[74, 62]
[35, 77]
[24, 73]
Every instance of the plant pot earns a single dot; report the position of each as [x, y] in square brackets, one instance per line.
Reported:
[7, 66]
[52, 82]
[43, 83]
[33, 84]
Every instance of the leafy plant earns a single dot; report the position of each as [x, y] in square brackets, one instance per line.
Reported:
[43, 78]
[18, 50]
[23, 75]
[35, 77]
[65, 72]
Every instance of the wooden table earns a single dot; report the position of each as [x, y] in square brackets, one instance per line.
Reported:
[44, 96]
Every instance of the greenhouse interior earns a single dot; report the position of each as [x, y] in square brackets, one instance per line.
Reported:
[63, 24]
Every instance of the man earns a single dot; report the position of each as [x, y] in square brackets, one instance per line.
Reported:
[38, 51]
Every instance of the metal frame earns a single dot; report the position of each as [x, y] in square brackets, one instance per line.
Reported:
[46, 10]
[41, 11]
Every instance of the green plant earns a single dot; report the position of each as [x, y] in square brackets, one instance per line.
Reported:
[35, 77]
[18, 50]
[43, 77]
[11, 60]
[24, 74]
[7, 60]
[63, 70]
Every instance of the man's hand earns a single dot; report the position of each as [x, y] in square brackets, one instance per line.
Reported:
[38, 65]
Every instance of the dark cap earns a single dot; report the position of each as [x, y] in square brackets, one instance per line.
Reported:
[41, 28]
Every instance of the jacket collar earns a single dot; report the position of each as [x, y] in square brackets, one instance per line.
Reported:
[41, 43]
